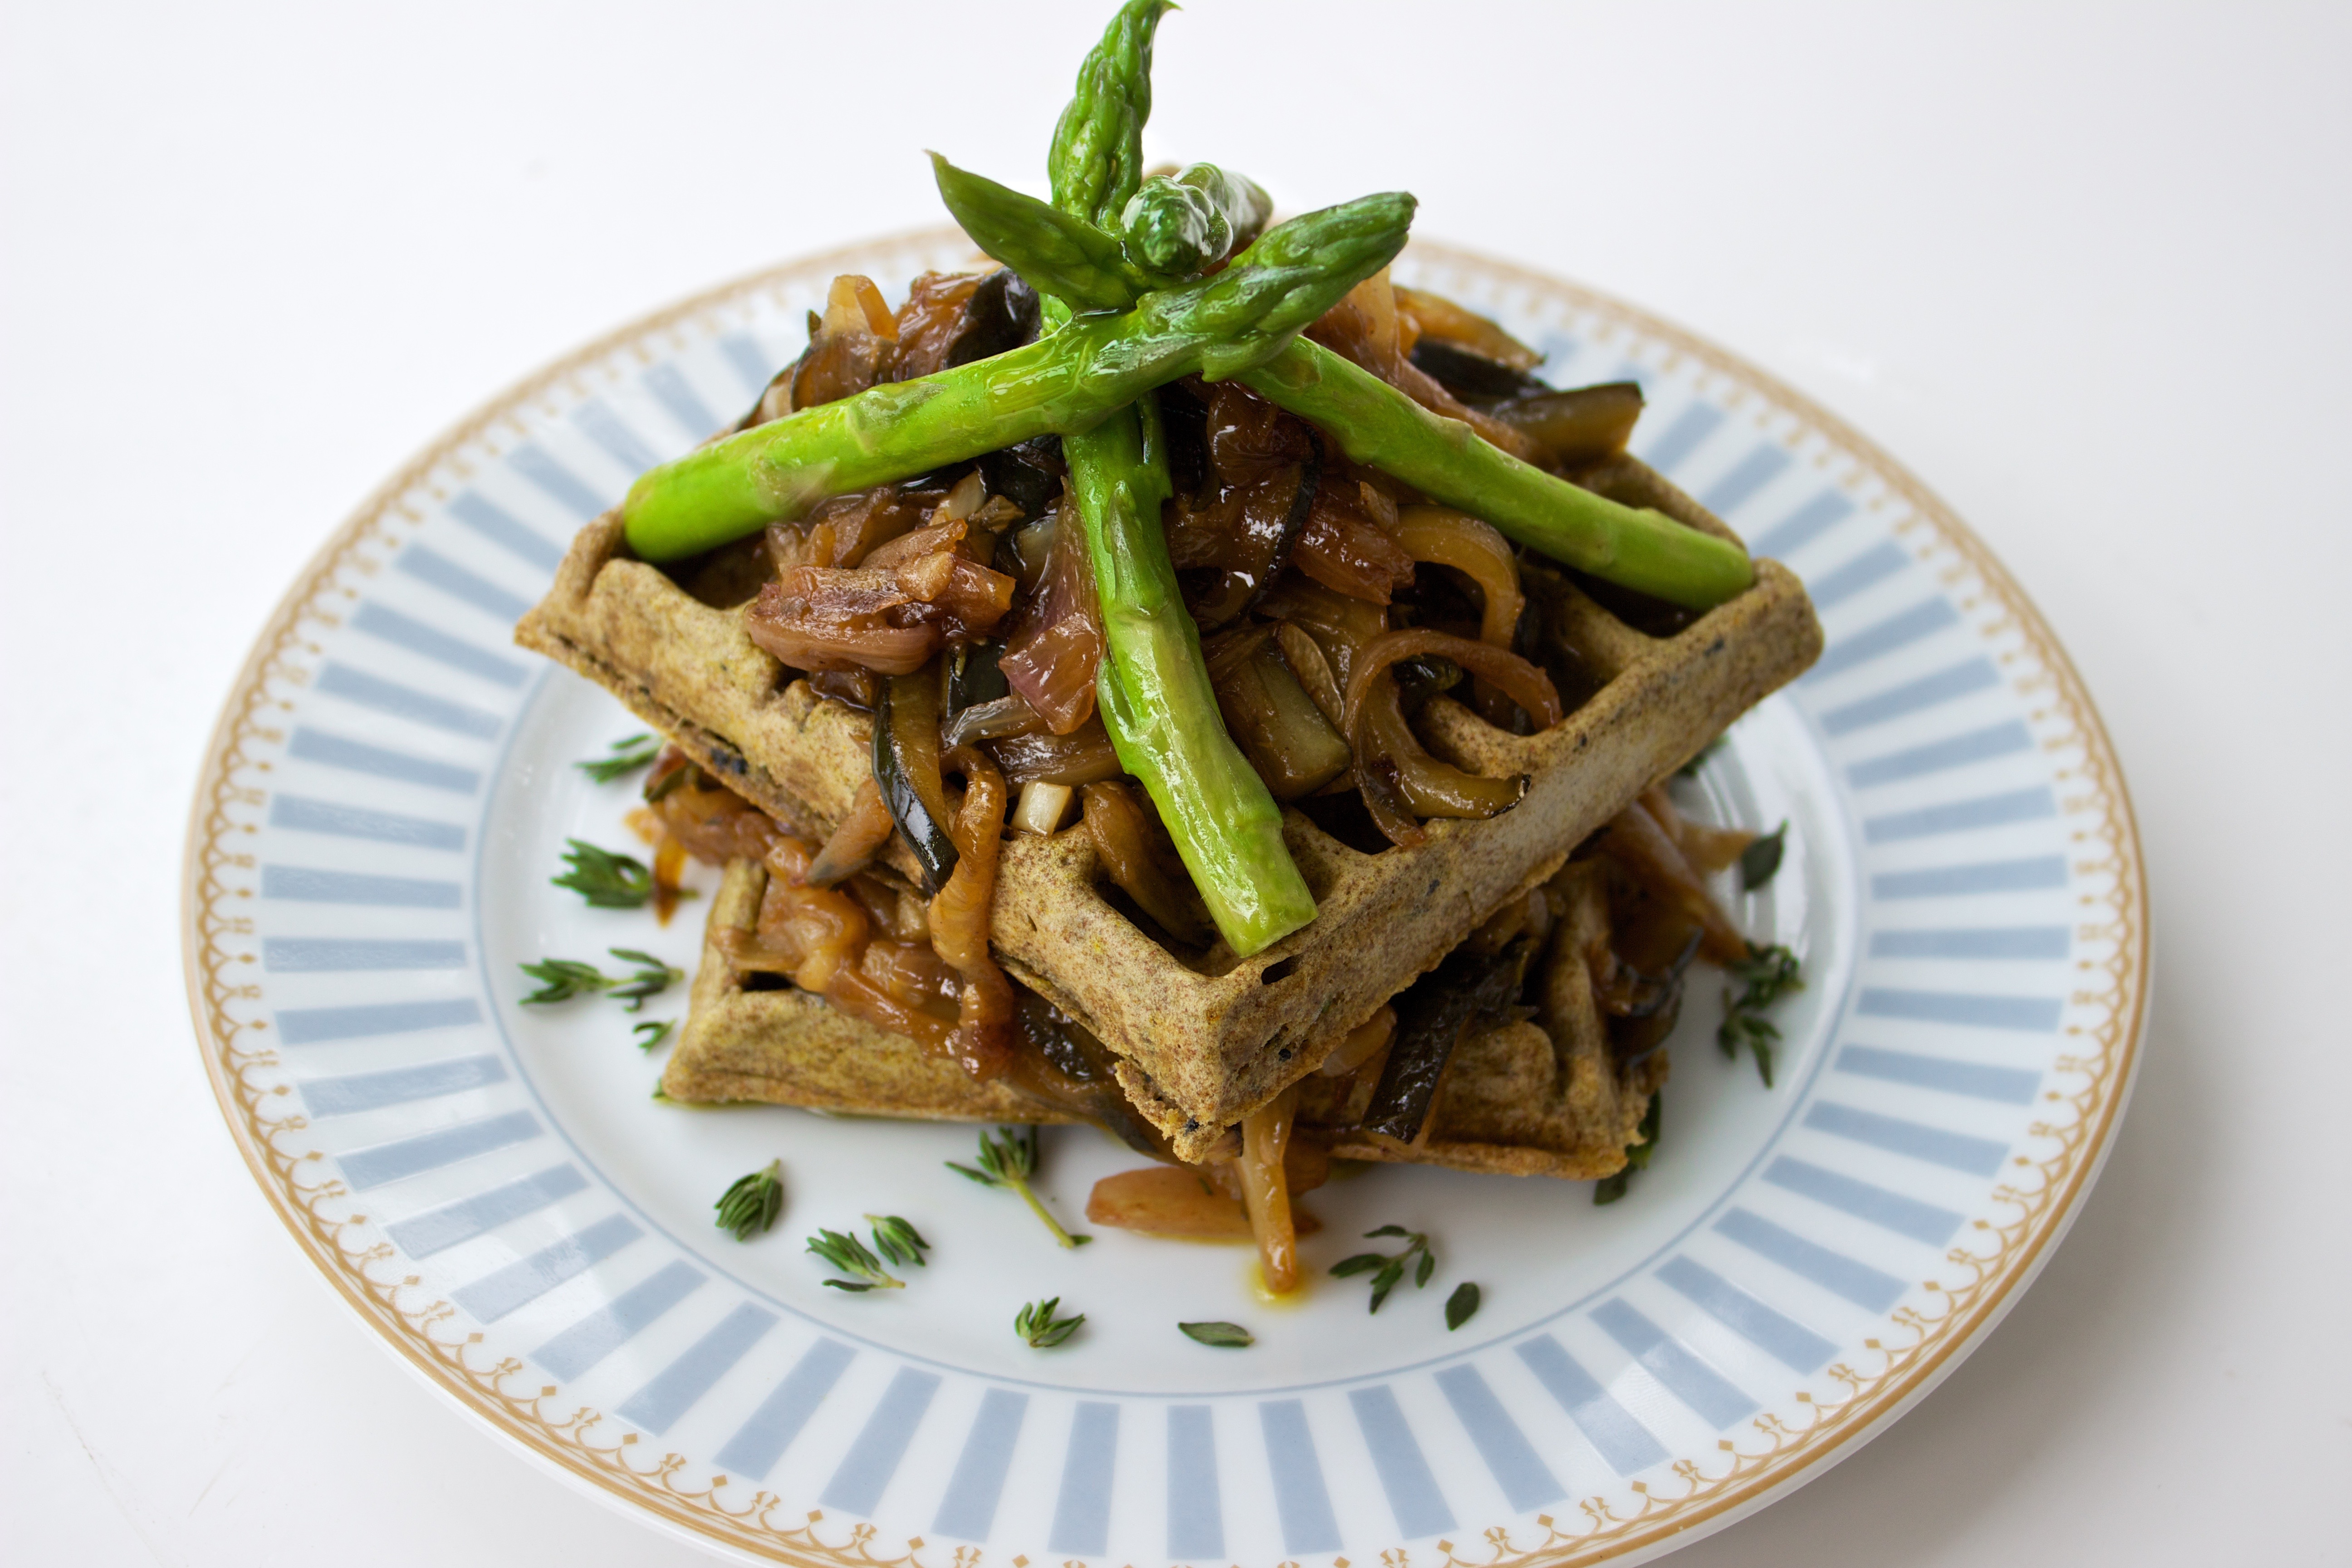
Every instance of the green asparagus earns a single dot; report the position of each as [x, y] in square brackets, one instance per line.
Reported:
[1152, 687]
[1377, 425]
[1198, 218]
[1064, 384]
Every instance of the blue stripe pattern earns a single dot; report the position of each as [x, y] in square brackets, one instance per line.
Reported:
[1890, 1211]
[526, 1280]
[1527, 1482]
[1717, 1400]
[382, 1162]
[873, 1455]
[304, 884]
[1804, 525]
[436, 1230]
[1082, 1506]
[617, 1321]
[2002, 740]
[1832, 1271]
[351, 954]
[431, 642]
[2026, 1015]
[533, 463]
[1782, 1338]
[2007, 1085]
[1413, 1498]
[459, 583]
[680, 400]
[1691, 428]
[750, 362]
[1196, 1515]
[1750, 474]
[1962, 815]
[1300, 1499]
[1624, 1442]
[762, 1441]
[608, 430]
[309, 1026]
[2036, 874]
[969, 1509]
[674, 1390]
[501, 528]
[1878, 639]
[1974, 942]
[1914, 1140]
[1970, 675]
[1868, 570]
[359, 757]
[356, 1092]
[378, 695]
[306, 816]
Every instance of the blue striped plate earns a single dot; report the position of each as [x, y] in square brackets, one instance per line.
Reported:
[490, 1186]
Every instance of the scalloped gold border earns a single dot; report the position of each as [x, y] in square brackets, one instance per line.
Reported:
[318, 1209]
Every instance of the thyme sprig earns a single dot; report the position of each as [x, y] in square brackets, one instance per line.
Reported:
[627, 755]
[561, 979]
[1220, 1336]
[1609, 1189]
[608, 880]
[844, 1252]
[750, 1207]
[900, 1242]
[1391, 1266]
[1765, 975]
[1039, 1329]
[1008, 1158]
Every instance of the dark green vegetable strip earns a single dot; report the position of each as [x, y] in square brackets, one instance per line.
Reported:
[1431, 1017]
[1376, 425]
[1096, 160]
[1061, 384]
[907, 771]
[1158, 705]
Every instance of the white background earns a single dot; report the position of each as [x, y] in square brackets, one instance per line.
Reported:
[2085, 270]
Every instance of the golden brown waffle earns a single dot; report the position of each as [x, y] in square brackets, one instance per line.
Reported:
[1204, 1041]
[1541, 1098]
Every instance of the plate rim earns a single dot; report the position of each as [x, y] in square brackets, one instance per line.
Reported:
[563, 1446]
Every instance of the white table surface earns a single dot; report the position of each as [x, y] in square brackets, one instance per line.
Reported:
[2085, 269]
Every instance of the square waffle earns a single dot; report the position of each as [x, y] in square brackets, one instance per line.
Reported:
[1204, 1039]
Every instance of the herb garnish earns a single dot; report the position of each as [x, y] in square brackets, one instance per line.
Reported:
[1223, 1336]
[626, 756]
[1039, 1329]
[750, 1207]
[1765, 975]
[561, 979]
[1761, 861]
[607, 880]
[1609, 1189]
[652, 1032]
[1462, 1305]
[1392, 1267]
[1008, 1158]
[846, 1253]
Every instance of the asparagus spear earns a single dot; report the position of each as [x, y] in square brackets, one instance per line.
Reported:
[1200, 217]
[1152, 686]
[1064, 384]
[1377, 425]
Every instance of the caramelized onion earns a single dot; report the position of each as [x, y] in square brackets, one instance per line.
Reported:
[1362, 1043]
[983, 1041]
[807, 624]
[1051, 655]
[1122, 840]
[1434, 316]
[1525, 684]
[1083, 756]
[1265, 1137]
[995, 720]
[1342, 548]
[862, 832]
[1343, 627]
[1444, 537]
[1428, 786]
[1364, 327]
[1636, 841]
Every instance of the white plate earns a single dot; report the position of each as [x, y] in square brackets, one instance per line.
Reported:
[492, 1189]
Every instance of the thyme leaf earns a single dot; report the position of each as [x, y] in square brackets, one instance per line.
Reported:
[652, 1032]
[750, 1207]
[1008, 1158]
[1462, 1305]
[627, 755]
[1223, 1336]
[1039, 1329]
[1609, 1189]
[606, 880]
[1761, 861]
[1417, 1256]
[898, 1241]
[844, 1252]
[1765, 975]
